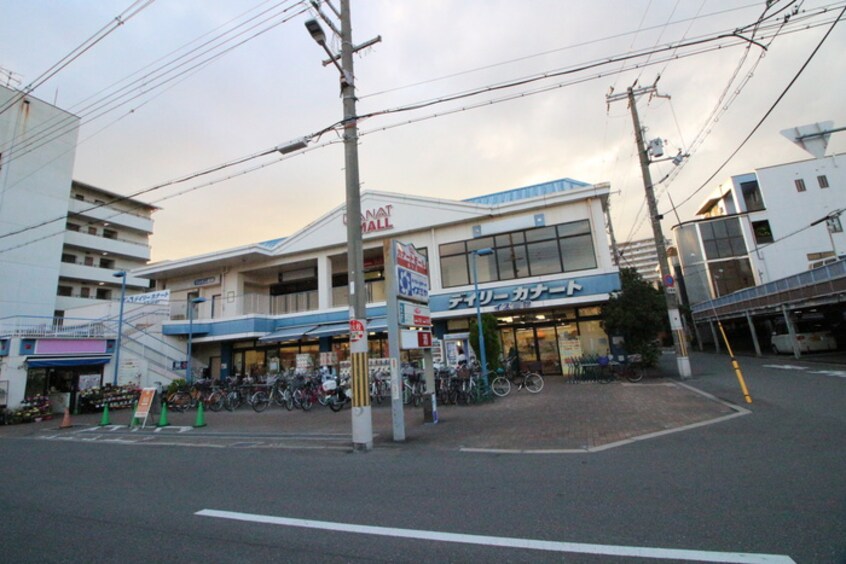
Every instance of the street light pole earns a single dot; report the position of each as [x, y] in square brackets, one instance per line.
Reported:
[191, 303]
[362, 422]
[122, 276]
[482, 351]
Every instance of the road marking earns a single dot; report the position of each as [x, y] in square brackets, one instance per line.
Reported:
[837, 373]
[507, 542]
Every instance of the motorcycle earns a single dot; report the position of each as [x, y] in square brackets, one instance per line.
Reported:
[338, 394]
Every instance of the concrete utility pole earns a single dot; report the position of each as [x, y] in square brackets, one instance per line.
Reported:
[362, 421]
[679, 337]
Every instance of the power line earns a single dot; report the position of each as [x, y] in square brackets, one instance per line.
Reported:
[151, 81]
[769, 111]
[101, 34]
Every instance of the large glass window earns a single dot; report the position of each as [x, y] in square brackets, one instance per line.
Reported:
[531, 252]
[722, 238]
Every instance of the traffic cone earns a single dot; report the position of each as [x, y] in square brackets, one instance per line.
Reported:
[105, 419]
[163, 418]
[201, 419]
[134, 421]
[66, 421]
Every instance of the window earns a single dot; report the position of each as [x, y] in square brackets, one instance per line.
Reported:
[823, 181]
[834, 225]
[89, 261]
[85, 292]
[92, 230]
[107, 263]
[800, 185]
[68, 258]
[65, 290]
[722, 238]
[763, 234]
[752, 196]
[531, 252]
[104, 294]
[72, 226]
[109, 233]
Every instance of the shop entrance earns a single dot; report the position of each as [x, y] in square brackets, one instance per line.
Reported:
[62, 384]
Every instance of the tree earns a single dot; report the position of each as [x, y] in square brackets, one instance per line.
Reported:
[638, 313]
[493, 348]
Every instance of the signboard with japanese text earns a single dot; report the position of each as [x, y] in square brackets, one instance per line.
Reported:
[414, 315]
[145, 402]
[412, 273]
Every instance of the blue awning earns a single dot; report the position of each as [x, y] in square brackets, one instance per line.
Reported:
[329, 330]
[287, 334]
[47, 362]
[378, 324]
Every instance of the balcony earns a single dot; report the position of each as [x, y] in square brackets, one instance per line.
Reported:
[119, 247]
[97, 274]
[107, 214]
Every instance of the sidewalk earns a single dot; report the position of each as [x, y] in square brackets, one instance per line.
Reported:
[563, 417]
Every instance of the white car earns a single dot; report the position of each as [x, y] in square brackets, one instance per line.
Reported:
[808, 342]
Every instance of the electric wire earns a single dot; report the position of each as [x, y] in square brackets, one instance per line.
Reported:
[317, 134]
[769, 111]
[162, 75]
[544, 53]
[85, 46]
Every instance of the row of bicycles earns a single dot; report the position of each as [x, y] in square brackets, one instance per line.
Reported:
[298, 390]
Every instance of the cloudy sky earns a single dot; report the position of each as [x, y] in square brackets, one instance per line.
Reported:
[271, 88]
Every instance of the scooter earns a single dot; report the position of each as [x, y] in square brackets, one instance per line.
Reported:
[338, 394]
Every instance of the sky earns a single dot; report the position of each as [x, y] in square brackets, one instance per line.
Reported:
[273, 88]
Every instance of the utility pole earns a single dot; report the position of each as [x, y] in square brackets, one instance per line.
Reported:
[362, 420]
[679, 337]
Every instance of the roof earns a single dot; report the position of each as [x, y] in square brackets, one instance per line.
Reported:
[528, 192]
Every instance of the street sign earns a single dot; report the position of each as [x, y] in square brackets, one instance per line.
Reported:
[356, 330]
[668, 281]
[414, 315]
[415, 339]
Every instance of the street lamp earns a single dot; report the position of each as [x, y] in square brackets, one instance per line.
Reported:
[122, 276]
[482, 353]
[190, 334]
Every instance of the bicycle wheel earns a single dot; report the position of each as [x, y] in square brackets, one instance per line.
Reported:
[259, 401]
[501, 386]
[406, 395]
[179, 401]
[533, 382]
[289, 399]
[217, 401]
[634, 374]
[233, 400]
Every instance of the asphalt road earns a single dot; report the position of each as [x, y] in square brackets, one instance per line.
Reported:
[771, 483]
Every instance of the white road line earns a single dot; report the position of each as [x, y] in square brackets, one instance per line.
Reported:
[507, 542]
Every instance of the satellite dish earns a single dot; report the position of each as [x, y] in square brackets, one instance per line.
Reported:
[812, 138]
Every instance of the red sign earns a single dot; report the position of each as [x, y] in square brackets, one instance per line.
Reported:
[145, 401]
[356, 330]
[409, 258]
[376, 219]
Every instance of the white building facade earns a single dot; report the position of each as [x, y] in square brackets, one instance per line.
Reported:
[546, 280]
[37, 150]
[759, 227]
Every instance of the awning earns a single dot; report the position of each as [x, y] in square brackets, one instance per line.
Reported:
[47, 361]
[287, 334]
[378, 324]
[329, 330]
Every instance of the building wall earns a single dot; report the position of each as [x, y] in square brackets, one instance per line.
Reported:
[791, 214]
[35, 179]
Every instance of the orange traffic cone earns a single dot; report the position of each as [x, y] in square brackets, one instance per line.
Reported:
[66, 421]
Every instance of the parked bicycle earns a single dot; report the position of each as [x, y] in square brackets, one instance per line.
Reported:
[521, 378]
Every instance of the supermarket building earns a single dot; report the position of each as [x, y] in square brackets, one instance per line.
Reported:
[265, 303]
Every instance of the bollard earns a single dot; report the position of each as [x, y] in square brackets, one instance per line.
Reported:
[163, 419]
[105, 419]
